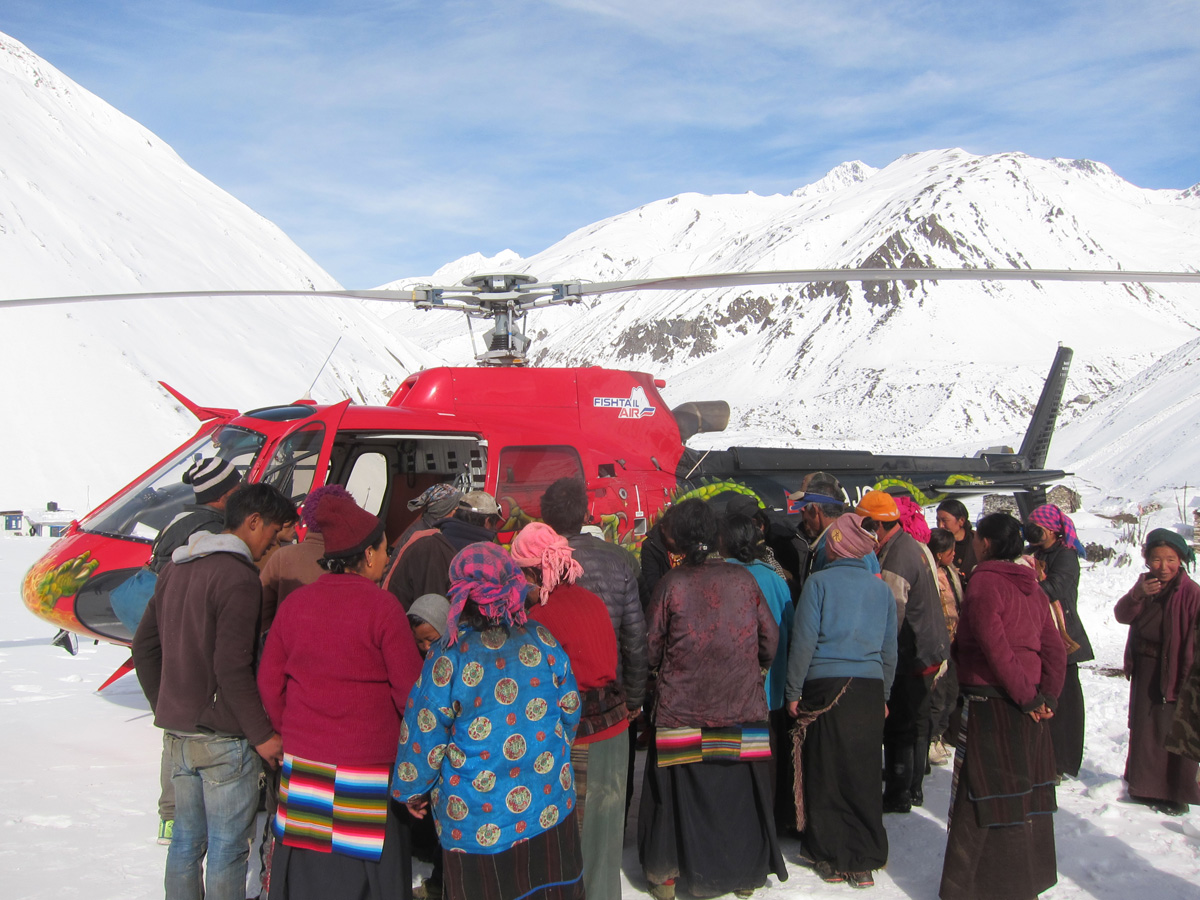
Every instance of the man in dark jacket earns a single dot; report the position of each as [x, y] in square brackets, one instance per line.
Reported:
[608, 573]
[910, 571]
[425, 566]
[195, 655]
[212, 481]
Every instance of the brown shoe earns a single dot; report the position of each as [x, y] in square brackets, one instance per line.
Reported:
[860, 879]
[663, 891]
[827, 874]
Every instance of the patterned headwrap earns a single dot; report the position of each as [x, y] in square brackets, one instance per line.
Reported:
[538, 546]
[912, 518]
[487, 576]
[1053, 519]
[847, 539]
[438, 501]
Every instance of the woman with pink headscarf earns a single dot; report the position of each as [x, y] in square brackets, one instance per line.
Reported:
[1057, 550]
[579, 621]
[486, 742]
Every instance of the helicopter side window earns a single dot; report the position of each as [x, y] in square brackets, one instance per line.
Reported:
[526, 472]
[293, 468]
[368, 481]
[148, 506]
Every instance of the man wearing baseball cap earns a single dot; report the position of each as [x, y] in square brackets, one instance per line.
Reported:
[819, 501]
[425, 566]
[922, 646]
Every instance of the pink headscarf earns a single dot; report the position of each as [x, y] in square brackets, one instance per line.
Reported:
[912, 519]
[486, 575]
[538, 546]
[1053, 519]
[847, 539]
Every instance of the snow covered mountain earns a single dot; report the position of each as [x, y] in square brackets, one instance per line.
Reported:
[92, 202]
[912, 365]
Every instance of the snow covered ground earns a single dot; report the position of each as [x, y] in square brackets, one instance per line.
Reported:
[79, 778]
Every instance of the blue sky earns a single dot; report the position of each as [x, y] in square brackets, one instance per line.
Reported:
[388, 137]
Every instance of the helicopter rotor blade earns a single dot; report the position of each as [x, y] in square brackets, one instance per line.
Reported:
[413, 295]
[539, 294]
[808, 276]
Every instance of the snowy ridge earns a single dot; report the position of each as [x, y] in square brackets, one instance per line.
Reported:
[1145, 435]
[92, 202]
[837, 179]
[923, 365]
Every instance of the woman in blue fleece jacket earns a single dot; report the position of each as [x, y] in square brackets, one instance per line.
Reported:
[841, 660]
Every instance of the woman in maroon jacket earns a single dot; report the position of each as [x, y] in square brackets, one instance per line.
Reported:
[1161, 611]
[1011, 663]
[706, 815]
[336, 672]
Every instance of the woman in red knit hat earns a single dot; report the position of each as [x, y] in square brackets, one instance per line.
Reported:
[335, 676]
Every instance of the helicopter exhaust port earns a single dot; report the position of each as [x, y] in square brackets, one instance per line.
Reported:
[701, 416]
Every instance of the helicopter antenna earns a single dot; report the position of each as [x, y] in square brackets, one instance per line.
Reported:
[308, 393]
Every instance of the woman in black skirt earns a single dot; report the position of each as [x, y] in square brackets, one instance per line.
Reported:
[1057, 550]
[706, 817]
[1011, 660]
[840, 669]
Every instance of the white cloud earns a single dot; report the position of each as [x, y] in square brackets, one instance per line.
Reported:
[470, 125]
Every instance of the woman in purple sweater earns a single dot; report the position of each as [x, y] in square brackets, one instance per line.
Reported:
[1011, 663]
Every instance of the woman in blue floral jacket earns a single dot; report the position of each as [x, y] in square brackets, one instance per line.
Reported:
[486, 741]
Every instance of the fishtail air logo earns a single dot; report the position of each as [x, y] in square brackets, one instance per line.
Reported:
[635, 406]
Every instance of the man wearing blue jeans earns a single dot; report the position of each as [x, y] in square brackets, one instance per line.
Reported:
[195, 656]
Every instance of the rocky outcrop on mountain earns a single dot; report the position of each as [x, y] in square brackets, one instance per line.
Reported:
[918, 364]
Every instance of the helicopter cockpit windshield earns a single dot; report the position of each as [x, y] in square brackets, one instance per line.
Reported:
[148, 506]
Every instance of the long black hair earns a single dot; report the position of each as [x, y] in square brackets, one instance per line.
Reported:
[959, 511]
[693, 530]
[740, 538]
[1003, 534]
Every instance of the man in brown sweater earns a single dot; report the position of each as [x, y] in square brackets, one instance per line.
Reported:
[195, 656]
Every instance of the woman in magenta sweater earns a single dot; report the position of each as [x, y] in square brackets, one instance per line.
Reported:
[1011, 663]
[579, 620]
[336, 672]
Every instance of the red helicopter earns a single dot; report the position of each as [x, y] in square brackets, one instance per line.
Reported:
[512, 430]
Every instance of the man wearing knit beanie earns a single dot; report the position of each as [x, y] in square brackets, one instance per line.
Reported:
[212, 481]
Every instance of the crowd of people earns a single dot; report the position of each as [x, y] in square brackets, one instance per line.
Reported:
[443, 696]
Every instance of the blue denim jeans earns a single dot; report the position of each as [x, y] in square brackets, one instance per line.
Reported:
[216, 797]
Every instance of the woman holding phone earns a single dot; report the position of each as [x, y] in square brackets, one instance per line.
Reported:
[1161, 611]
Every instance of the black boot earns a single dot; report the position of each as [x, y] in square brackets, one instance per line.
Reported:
[897, 794]
[919, 770]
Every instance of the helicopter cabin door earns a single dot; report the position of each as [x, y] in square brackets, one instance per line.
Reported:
[300, 460]
[386, 470]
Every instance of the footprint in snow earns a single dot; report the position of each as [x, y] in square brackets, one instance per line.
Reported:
[48, 821]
